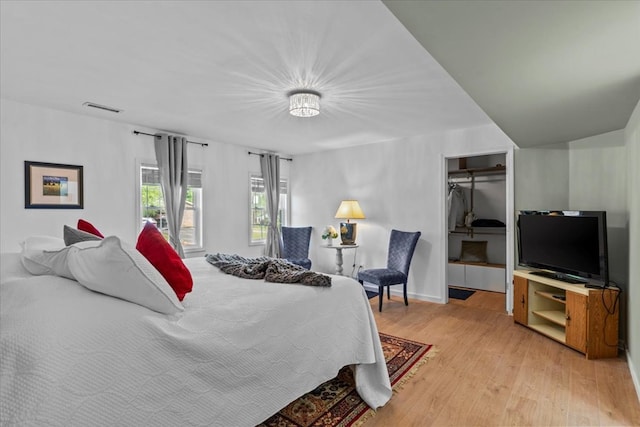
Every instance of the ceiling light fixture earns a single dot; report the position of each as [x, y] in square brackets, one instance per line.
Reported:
[304, 103]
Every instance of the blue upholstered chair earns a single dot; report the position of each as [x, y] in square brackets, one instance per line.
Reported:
[402, 244]
[295, 245]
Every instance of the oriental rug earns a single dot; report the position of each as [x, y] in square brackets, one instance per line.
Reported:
[337, 403]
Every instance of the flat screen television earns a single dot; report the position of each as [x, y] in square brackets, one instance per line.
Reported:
[566, 245]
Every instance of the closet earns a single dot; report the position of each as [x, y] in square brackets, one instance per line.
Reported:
[477, 234]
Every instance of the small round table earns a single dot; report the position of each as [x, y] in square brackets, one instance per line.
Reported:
[339, 249]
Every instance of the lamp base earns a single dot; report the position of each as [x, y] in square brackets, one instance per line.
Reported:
[348, 233]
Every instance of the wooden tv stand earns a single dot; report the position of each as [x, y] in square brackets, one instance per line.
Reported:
[578, 317]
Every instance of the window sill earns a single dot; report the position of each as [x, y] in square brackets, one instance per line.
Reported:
[192, 253]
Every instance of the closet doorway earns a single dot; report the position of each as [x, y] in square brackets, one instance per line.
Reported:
[478, 227]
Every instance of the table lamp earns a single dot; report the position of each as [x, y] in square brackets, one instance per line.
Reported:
[349, 209]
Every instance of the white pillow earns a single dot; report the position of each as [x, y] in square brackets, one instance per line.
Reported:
[117, 269]
[32, 247]
[39, 262]
[42, 243]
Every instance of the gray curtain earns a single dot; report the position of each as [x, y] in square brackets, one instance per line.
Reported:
[171, 154]
[270, 166]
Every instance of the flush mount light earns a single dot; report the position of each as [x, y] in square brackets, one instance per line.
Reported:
[102, 107]
[304, 103]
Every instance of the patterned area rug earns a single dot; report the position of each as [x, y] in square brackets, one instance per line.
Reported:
[337, 403]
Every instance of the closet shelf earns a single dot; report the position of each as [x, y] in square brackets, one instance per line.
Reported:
[479, 171]
[470, 231]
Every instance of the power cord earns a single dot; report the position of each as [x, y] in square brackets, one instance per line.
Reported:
[614, 286]
[354, 273]
[355, 276]
[610, 309]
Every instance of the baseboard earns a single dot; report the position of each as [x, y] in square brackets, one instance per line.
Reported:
[398, 292]
[634, 376]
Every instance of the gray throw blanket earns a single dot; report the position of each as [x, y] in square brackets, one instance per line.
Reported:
[270, 269]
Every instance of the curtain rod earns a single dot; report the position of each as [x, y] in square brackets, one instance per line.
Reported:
[137, 132]
[262, 154]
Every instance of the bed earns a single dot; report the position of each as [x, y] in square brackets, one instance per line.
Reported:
[240, 351]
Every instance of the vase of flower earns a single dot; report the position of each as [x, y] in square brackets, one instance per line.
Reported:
[329, 234]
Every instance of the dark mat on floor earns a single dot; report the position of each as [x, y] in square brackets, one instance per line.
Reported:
[371, 294]
[460, 293]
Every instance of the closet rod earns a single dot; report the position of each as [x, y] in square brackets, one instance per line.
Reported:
[262, 154]
[137, 132]
[481, 178]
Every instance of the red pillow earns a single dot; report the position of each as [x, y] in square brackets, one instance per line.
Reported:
[86, 226]
[165, 259]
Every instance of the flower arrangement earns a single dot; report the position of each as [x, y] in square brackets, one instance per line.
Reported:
[329, 233]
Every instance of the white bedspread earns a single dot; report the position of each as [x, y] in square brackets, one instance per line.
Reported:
[241, 351]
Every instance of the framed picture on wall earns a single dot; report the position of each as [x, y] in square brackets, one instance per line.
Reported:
[52, 186]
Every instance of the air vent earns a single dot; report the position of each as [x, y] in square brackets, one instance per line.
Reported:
[102, 107]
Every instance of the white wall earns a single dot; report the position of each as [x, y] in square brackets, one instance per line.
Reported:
[598, 181]
[632, 141]
[108, 152]
[542, 178]
[399, 184]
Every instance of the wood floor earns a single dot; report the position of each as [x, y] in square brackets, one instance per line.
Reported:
[489, 371]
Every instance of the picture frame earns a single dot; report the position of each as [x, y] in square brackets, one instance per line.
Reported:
[53, 186]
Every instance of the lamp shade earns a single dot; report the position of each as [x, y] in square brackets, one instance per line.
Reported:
[350, 209]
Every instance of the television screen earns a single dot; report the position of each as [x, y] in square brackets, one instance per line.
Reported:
[572, 243]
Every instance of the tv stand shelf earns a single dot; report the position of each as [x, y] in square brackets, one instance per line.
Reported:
[553, 316]
[553, 296]
[579, 317]
[552, 331]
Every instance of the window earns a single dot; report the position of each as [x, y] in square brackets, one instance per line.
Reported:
[152, 206]
[258, 215]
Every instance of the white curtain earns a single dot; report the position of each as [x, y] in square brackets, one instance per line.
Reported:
[270, 166]
[171, 154]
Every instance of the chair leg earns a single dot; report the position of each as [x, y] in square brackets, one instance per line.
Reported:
[380, 297]
[404, 288]
[388, 292]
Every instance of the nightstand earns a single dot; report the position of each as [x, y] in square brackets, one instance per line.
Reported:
[338, 249]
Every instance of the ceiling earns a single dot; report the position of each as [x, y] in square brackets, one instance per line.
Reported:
[221, 70]
[544, 71]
